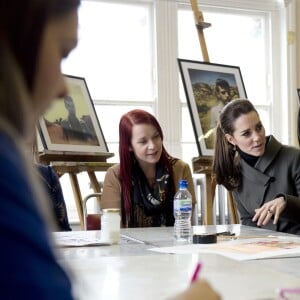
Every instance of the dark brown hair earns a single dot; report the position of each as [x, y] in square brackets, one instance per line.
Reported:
[226, 166]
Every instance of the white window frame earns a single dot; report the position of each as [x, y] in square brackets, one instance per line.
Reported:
[281, 106]
[167, 106]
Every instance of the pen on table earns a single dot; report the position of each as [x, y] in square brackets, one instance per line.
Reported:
[284, 292]
[196, 272]
[127, 237]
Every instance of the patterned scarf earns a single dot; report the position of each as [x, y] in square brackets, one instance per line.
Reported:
[151, 207]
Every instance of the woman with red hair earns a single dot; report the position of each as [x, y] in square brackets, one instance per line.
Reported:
[143, 184]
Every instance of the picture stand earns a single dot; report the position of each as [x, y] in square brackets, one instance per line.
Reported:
[72, 163]
[200, 25]
[73, 140]
[203, 164]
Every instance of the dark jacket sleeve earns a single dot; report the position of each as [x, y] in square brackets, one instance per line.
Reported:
[54, 190]
[29, 269]
[292, 209]
[245, 217]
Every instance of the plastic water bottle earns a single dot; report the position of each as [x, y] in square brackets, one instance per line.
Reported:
[183, 213]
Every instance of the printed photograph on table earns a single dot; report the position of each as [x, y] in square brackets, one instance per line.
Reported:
[71, 123]
[208, 88]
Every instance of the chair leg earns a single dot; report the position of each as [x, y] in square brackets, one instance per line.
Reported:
[233, 209]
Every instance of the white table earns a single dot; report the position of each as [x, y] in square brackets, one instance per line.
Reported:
[130, 271]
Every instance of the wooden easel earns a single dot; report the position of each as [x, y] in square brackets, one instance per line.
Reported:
[73, 163]
[200, 25]
[203, 164]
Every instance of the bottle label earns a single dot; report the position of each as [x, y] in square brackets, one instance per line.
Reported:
[110, 226]
[184, 205]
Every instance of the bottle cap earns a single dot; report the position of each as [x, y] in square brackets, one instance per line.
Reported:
[182, 183]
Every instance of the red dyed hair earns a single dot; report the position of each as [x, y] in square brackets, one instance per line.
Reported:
[133, 117]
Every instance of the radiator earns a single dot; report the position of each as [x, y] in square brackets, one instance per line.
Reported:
[220, 208]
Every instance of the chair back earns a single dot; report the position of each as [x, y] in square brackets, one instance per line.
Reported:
[223, 209]
[91, 221]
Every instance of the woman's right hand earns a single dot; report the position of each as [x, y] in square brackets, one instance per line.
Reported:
[199, 289]
[268, 211]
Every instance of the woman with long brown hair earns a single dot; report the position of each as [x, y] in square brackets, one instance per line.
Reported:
[263, 174]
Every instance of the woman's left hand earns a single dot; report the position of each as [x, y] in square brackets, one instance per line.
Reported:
[272, 208]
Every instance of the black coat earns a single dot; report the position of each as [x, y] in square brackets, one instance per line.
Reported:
[53, 189]
[276, 173]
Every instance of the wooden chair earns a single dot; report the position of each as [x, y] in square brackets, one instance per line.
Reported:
[234, 215]
[233, 212]
[203, 165]
[91, 221]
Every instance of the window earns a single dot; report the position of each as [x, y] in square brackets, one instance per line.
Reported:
[115, 56]
[236, 37]
[115, 49]
[128, 54]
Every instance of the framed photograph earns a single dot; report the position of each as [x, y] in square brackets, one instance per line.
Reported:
[71, 123]
[208, 87]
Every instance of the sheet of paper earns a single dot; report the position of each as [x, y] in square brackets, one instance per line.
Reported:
[79, 239]
[243, 249]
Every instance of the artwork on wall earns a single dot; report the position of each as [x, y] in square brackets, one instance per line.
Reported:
[208, 87]
[71, 123]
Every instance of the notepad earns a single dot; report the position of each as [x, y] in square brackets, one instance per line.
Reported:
[244, 249]
[79, 239]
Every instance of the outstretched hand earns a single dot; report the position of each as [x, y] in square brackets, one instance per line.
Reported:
[271, 209]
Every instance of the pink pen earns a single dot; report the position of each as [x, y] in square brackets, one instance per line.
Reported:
[196, 272]
[286, 293]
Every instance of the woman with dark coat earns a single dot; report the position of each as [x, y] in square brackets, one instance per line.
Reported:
[263, 174]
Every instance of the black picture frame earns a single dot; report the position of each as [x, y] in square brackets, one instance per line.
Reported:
[71, 124]
[199, 82]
